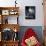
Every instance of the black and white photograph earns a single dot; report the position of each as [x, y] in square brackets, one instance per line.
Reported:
[29, 12]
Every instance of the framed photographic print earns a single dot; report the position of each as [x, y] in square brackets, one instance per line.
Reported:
[13, 12]
[30, 12]
[5, 12]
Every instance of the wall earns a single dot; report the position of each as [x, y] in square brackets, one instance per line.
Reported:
[22, 21]
[39, 13]
[22, 3]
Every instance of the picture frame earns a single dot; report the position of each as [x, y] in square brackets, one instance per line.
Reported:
[30, 12]
[5, 12]
[13, 12]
